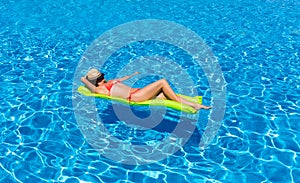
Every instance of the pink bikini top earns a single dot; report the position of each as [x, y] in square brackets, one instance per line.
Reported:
[110, 84]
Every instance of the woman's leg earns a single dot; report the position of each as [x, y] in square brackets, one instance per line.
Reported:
[163, 86]
[153, 89]
[161, 96]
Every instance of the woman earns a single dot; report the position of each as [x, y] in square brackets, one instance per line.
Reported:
[96, 82]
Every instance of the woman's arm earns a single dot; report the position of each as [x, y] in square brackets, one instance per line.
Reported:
[88, 84]
[127, 77]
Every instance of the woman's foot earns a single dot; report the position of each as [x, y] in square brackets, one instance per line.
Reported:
[199, 106]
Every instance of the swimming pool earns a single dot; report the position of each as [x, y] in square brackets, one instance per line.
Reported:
[257, 45]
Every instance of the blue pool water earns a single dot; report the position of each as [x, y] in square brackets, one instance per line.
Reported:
[257, 44]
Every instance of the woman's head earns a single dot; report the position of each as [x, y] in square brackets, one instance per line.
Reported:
[94, 76]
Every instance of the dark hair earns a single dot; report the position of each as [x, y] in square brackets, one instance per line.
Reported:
[97, 80]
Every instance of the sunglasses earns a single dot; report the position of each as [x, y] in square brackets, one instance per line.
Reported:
[97, 80]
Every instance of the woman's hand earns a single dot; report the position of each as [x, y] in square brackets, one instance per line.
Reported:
[83, 79]
[127, 77]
